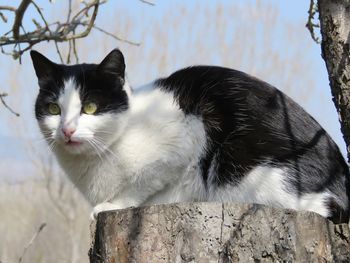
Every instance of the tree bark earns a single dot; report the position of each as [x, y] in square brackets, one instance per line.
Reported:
[215, 232]
[335, 31]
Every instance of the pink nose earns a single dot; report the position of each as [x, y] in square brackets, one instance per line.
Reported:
[68, 132]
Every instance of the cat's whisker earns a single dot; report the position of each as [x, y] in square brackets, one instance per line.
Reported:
[39, 140]
[107, 154]
[95, 132]
[102, 148]
[93, 145]
[46, 133]
[103, 151]
[52, 144]
[105, 132]
[100, 141]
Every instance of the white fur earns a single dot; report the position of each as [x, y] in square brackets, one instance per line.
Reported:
[70, 105]
[315, 202]
[127, 87]
[267, 185]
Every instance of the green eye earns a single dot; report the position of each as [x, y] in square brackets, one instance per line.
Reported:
[90, 108]
[54, 109]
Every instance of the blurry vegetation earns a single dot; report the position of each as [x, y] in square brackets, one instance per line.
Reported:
[246, 37]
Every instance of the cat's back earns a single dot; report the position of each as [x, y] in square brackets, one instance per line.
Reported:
[198, 88]
[230, 98]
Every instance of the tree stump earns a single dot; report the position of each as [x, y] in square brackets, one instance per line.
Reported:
[215, 232]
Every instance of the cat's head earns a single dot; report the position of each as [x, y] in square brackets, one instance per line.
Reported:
[81, 108]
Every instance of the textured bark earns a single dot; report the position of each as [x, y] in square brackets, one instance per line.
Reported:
[213, 232]
[335, 30]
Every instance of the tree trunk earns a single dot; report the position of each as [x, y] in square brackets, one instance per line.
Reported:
[335, 30]
[213, 232]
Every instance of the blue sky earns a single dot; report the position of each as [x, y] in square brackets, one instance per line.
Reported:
[19, 80]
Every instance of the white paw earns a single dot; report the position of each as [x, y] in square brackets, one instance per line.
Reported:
[108, 207]
[102, 207]
[93, 214]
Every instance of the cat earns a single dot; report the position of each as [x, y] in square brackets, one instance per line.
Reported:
[204, 133]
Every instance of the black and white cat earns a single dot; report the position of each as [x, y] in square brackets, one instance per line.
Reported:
[204, 133]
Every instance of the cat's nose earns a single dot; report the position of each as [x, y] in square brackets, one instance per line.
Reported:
[68, 132]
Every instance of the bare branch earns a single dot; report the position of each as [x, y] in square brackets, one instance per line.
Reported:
[95, 4]
[59, 52]
[38, 9]
[69, 11]
[19, 16]
[3, 17]
[116, 37]
[147, 2]
[8, 8]
[2, 95]
[309, 24]
[36, 234]
[75, 51]
[86, 9]
[48, 28]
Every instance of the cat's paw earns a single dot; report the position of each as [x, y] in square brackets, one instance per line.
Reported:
[93, 215]
[102, 207]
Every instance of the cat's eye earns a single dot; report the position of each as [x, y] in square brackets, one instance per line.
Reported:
[54, 109]
[90, 108]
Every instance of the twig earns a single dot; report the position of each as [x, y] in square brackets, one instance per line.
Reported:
[69, 52]
[75, 51]
[70, 43]
[36, 234]
[3, 17]
[38, 9]
[59, 52]
[2, 95]
[87, 8]
[116, 37]
[309, 24]
[147, 2]
[48, 28]
[91, 22]
[8, 8]
[69, 10]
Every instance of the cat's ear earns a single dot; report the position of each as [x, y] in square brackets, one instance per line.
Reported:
[113, 63]
[42, 65]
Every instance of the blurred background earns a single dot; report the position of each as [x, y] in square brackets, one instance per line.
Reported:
[267, 39]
